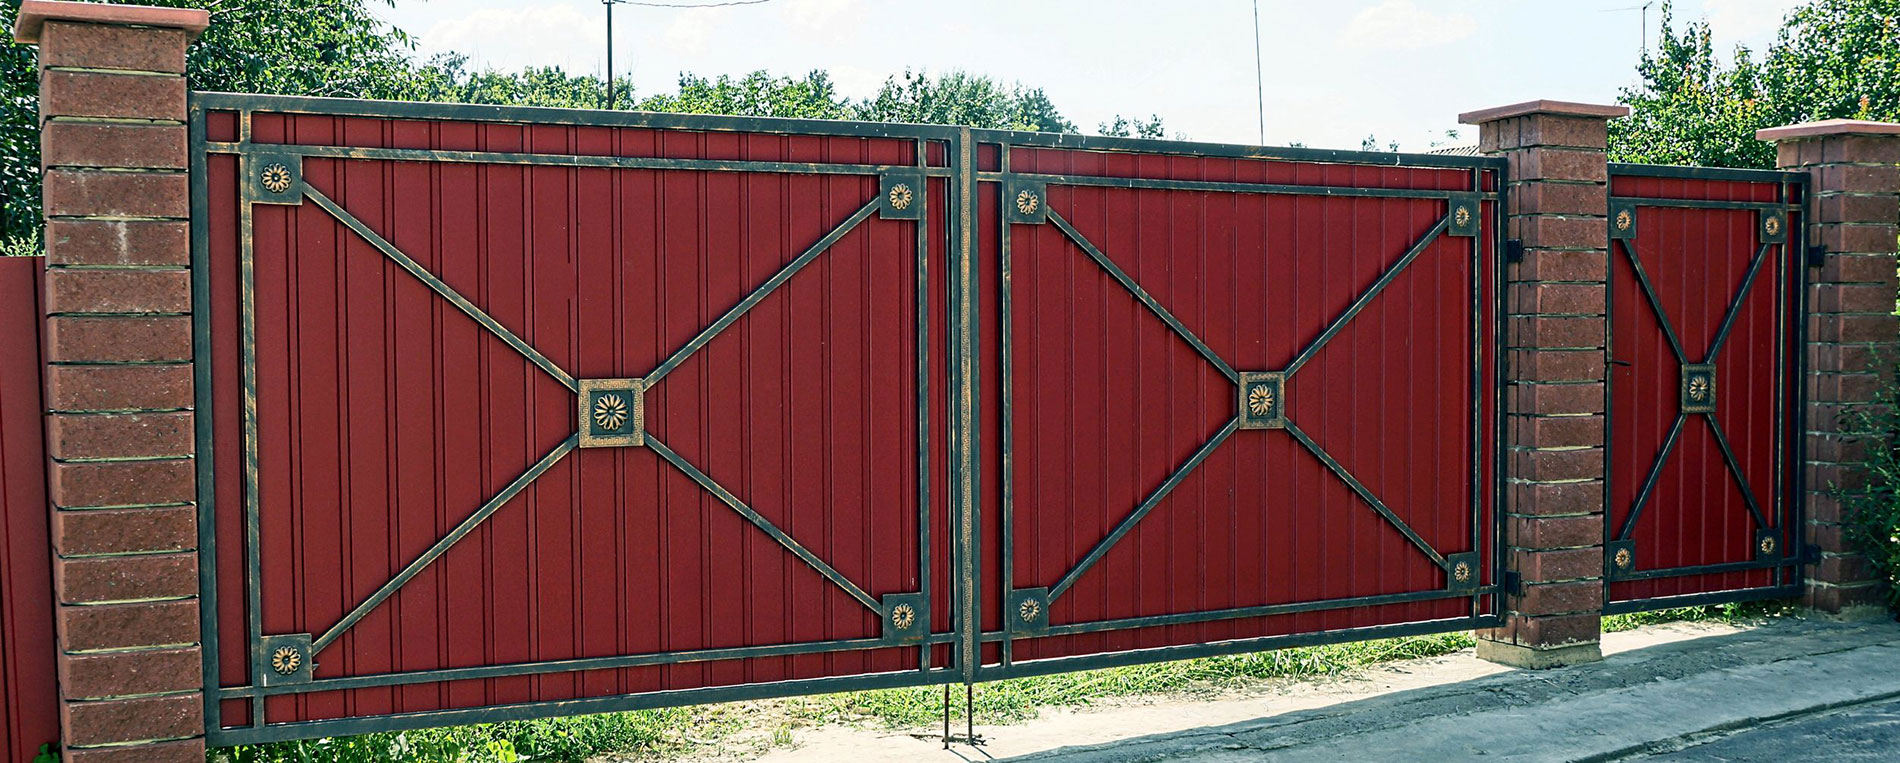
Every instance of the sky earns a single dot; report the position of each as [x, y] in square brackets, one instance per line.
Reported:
[1334, 72]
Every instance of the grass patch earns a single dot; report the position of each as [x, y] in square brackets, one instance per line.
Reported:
[765, 724]
[27, 245]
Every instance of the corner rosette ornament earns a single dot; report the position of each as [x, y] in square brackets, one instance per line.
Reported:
[1624, 220]
[1772, 226]
[1767, 544]
[1027, 202]
[1029, 609]
[275, 178]
[1461, 217]
[903, 616]
[1623, 558]
[901, 196]
[1461, 572]
[286, 660]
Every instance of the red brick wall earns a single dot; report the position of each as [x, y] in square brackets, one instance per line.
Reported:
[117, 351]
[1554, 411]
[1851, 330]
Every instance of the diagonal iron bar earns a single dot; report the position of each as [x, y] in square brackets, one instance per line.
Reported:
[758, 295]
[1735, 308]
[1145, 298]
[442, 546]
[1154, 498]
[440, 287]
[1735, 467]
[1655, 302]
[1655, 473]
[1366, 495]
[1392, 273]
[725, 496]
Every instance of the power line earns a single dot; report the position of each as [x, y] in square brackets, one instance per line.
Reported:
[686, 5]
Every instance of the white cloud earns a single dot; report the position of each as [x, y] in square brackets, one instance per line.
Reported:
[511, 38]
[1402, 25]
[1747, 20]
[819, 15]
[690, 30]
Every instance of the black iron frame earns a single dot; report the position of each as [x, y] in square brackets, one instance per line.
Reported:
[1784, 515]
[963, 357]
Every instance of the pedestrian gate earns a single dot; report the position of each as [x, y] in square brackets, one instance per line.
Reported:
[1705, 295]
[515, 412]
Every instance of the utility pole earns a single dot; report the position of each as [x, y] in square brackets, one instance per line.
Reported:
[1259, 87]
[610, 52]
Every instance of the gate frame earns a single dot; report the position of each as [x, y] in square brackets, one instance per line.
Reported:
[1786, 570]
[1482, 596]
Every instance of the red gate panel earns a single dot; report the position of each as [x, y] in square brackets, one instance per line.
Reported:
[1704, 290]
[562, 417]
[30, 716]
[1237, 398]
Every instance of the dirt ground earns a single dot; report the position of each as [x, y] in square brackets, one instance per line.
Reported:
[1113, 719]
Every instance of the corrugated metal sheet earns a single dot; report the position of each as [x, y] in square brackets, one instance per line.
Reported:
[30, 715]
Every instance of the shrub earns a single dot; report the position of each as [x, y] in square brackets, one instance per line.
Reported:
[1873, 509]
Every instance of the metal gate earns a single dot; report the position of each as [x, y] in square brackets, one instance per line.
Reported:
[1705, 292]
[1245, 397]
[514, 412]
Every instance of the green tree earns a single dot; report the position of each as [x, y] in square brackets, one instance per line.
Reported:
[1124, 127]
[961, 98]
[758, 94]
[1831, 59]
[304, 47]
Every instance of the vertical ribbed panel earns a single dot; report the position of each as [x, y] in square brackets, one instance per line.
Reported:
[30, 717]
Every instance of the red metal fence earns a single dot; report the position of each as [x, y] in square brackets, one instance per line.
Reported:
[520, 412]
[30, 714]
[1705, 299]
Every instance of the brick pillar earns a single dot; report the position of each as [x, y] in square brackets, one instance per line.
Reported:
[1556, 204]
[1855, 192]
[118, 376]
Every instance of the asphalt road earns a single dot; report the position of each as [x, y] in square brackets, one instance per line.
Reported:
[1868, 732]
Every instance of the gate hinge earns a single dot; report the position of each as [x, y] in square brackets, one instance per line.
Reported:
[1514, 250]
[1817, 255]
[1511, 582]
[1810, 554]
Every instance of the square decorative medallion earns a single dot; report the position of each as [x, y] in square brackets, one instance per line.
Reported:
[1262, 400]
[901, 196]
[1767, 544]
[1774, 226]
[286, 659]
[613, 413]
[1461, 572]
[1619, 557]
[1698, 388]
[1622, 219]
[906, 617]
[273, 178]
[1027, 610]
[1463, 212]
[1025, 202]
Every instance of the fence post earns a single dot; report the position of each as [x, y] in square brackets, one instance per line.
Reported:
[1556, 204]
[118, 376]
[1855, 203]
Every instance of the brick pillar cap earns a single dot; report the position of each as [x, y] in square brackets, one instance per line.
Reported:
[35, 13]
[1827, 127]
[1555, 108]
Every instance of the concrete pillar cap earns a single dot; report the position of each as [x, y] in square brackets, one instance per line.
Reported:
[1826, 128]
[35, 13]
[1553, 108]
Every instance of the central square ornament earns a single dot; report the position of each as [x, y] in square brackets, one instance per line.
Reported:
[1698, 388]
[612, 413]
[1262, 400]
